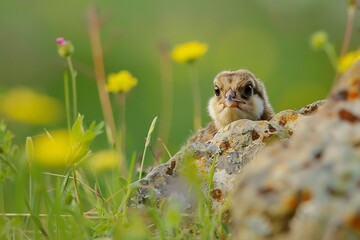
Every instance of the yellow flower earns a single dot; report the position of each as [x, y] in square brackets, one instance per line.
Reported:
[121, 82]
[188, 52]
[347, 60]
[25, 105]
[104, 160]
[318, 40]
[52, 149]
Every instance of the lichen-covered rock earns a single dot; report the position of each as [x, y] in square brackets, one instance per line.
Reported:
[309, 186]
[233, 147]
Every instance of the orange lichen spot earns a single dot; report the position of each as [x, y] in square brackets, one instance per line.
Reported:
[354, 222]
[346, 115]
[287, 118]
[294, 201]
[293, 118]
[225, 145]
[216, 194]
[353, 96]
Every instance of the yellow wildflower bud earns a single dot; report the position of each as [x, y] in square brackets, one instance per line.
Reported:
[25, 105]
[318, 39]
[29, 149]
[65, 47]
[121, 82]
[104, 160]
[188, 52]
[347, 60]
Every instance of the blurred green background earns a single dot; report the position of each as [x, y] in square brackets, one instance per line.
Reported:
[271, 38]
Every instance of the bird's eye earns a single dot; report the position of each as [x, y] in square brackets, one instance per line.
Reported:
[248, 90]
[217, 91]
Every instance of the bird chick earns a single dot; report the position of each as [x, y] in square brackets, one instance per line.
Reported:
[238, 95]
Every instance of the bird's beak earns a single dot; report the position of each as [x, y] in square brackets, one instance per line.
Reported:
[230, 100]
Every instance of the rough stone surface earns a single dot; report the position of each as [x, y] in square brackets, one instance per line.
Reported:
[234, 147]
[309, 186]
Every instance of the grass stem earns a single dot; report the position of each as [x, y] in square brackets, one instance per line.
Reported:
[147, 144]
[196, 96]
[128, 188]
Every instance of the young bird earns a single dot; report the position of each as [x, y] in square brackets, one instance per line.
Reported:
[238, 95]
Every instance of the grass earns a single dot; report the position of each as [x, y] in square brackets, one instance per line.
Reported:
[78, 202]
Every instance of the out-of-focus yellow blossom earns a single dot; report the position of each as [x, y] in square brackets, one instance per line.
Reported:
[65, 47]
[25, 105]
[188, 52]
[318, 39]
[53, 150]
[104, 160]
[347, 60]
[121, 82]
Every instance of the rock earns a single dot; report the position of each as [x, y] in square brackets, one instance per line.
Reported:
[234, 147]
[309, 186]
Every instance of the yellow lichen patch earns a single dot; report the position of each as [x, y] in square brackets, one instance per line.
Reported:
[26, 106]
[201, 165]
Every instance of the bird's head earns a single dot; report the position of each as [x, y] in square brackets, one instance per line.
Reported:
[238, 95]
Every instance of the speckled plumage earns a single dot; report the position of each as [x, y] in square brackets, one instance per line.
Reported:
[238, 95]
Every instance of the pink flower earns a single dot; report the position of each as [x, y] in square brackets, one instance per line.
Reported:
[61, 41]
[65, 48]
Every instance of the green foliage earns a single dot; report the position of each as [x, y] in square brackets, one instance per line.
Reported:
[7, 153]
[51, 207]
[81, 138]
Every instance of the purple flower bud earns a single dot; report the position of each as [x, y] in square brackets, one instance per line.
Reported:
[65, 48]
[61, 41]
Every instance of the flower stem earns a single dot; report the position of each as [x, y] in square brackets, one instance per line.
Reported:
[196, 96]
[331, 53]
[167, 93]
[122, 105]
[94, 33]
[67, 100]
[73, 80]
[348, 31]
[347, 35]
